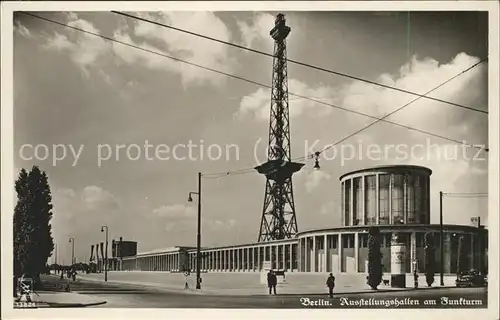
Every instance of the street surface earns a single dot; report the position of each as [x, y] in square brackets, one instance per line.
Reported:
[132, 296]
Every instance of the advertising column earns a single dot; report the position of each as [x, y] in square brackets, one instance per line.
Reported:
[398, 262]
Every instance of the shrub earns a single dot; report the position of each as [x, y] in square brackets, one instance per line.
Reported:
[430, 261]
[374, 258]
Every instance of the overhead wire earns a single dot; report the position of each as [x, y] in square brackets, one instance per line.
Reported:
[295, 61]
[246, 170]
[393, 112]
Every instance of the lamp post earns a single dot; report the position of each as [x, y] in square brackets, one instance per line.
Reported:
[441, 238]
[72, 241]
[105, 254]
[198, 237]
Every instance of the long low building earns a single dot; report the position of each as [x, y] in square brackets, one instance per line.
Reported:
[393, 198]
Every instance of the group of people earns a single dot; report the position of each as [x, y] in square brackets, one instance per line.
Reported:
[272, 281]
[70, 273]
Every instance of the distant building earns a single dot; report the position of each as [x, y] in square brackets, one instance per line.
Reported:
[394, 198]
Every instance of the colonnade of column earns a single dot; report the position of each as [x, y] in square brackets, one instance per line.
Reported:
[348, 252]
[160, 262]
[283, 256]
[345, 252]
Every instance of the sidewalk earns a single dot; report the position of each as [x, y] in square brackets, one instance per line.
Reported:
[249, 283]
[50, 299]
[54, 295]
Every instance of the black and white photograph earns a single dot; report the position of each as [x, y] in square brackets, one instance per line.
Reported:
[224, 157]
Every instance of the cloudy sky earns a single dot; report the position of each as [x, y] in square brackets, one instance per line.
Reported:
[80, 91]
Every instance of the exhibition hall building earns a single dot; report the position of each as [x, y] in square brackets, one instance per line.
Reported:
[396, 199]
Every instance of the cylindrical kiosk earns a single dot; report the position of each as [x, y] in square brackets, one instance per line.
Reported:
[398, 262]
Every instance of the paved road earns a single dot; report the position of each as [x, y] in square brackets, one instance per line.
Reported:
[125, 296]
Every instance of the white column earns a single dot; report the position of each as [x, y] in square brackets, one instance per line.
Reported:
[391, 180]
[313, 264]
[377, 197]
[233, 259]
[340, 253]
[212, 263]
[217, 260]
[413, 250]
[307, 256]
[283, 256]
[343, 204]
[356, 251]
[405, 199]
[221, 261]
[252, 267]
[363, 195]
[258, 258]
[325, 254]
[351, 202]
[247, 255]
[276, 257]
[238, 260]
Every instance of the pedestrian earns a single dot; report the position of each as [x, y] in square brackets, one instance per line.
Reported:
[330, 283]
[271, 282]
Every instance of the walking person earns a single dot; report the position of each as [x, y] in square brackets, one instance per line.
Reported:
[271, 282]
[330, 283]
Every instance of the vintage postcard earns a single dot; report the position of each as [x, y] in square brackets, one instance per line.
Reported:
[184, 158]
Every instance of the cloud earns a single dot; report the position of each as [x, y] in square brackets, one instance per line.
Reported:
[96, 198]
[255, 34]
[84, 49]
[180, 45]
[418, 75]
[257, 104]
[314, 178]
[221, 224]
[22, 30]
[183, 217]
[80, 215]
[176, 211]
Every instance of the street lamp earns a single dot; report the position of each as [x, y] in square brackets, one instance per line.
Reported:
[72, 241]
[441, 237]
[316, 161]
[105, 254]
[198, 238]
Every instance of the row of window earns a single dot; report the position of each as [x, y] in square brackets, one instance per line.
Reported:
[348, 241]
[417, 189]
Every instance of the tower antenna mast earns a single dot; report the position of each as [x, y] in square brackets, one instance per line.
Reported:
[278, 214]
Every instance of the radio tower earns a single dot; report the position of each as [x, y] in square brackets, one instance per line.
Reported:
[278, 215]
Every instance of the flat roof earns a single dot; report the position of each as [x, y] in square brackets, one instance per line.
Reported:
[393, 227]
[389, 167]
[162, 250]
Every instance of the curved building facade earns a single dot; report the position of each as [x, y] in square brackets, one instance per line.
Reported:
[388, 195]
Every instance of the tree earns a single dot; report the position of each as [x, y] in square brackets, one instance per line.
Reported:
[430, 261]
[462, 263]
[374, 258]
[33, 242]
[19, 249]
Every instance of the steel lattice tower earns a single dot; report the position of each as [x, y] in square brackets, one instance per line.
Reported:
[278, 215]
